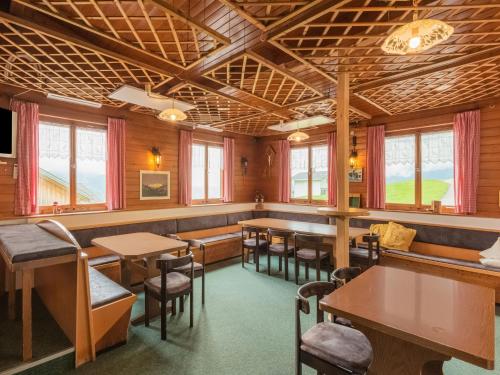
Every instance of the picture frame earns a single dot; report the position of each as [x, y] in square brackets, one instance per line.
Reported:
[154, 185]
[356, 175]
[354, 200]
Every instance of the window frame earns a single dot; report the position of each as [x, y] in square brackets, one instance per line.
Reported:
[73, 206]
[418, 205]
[309, 199]
[206, 200]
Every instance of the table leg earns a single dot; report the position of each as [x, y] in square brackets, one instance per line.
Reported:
[393, 356]
[11, 276]
[27, 276]
[126, 277]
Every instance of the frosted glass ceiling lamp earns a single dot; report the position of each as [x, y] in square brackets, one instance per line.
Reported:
[298, 136]
[172, 114]
[417, 36]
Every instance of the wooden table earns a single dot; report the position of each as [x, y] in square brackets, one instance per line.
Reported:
[138, 246]
[326, 230]
[416, 321]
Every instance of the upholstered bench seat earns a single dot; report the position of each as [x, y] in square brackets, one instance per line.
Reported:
[363, 253]
[103, 290]
[456, 262]
[102, 260]
[339, 345]
[219, 237]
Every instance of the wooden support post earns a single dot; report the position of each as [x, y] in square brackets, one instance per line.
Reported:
[342, 222]
[27, 276]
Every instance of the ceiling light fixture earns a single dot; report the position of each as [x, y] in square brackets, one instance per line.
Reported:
[417, 36]
[297, 136]
[168, 114]
[69, 99]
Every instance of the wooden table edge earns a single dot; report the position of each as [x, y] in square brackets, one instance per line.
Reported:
[486, 363]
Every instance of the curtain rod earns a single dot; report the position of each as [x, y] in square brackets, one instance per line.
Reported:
[420, 127]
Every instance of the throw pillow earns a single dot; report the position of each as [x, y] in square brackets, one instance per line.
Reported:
[490, 262]
[398, 237]
[493, 252]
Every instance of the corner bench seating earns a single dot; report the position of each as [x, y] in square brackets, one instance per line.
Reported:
[444, 251]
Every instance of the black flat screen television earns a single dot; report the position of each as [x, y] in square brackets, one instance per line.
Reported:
[8, 129]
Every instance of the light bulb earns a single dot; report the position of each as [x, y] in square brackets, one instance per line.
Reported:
[173, 117]
[414, 42]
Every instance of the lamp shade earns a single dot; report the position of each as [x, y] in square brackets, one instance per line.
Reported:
[172, 114]
[417, 36]
[298, 136]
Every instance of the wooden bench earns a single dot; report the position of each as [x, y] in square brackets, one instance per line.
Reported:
[446, 261]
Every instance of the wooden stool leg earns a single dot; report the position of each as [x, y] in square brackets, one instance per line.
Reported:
[268, 263]
[280, 266]
[146, 306]
[307, 271]
[163, 318]
[286, 266]
[174, 307]
[297, 268]
[242, 256]
[191, 302]
[181, 304]
[318, 270]
[12, 295]
[203, 286]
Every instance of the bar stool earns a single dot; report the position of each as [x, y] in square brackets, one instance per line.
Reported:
[281, 250]
[327, 347]
[254, 243]
[310, 249]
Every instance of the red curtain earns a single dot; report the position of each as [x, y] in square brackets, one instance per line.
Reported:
[375, 169]
[25, 200]
[115, 167]
[466, 129]
[284, 174]
[185, 156]
[332, 168]
[228, 186]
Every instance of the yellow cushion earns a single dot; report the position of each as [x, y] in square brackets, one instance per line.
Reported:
[379, 229]
[398, 237]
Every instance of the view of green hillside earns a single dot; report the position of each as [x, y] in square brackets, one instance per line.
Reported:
[403, 192]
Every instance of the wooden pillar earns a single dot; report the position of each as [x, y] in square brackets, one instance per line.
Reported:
[342, 222]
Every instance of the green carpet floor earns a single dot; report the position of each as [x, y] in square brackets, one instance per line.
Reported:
[246, 327]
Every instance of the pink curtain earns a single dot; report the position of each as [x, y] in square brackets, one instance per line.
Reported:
[115, 167]
[185, 156]
[375, 169]
[466, 129]
[284, 173]
[332, 168]
[26, 190]
[228, 186]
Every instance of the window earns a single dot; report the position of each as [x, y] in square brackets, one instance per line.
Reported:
[72, 166]
[309, 173]
[206, 182]
[419, 169]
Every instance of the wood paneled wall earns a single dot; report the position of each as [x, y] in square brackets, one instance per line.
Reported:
[489, 175]
[143, 132]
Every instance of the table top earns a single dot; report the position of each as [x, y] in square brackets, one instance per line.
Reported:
[350, 212]
[450, 317]
[138, 245]
[326, 230]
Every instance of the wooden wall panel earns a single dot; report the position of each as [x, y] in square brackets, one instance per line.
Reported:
[489, 174]
[143, 132]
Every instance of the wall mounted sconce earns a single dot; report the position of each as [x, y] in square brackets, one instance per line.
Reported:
[244, 165]
[156, 156]
[353, 157]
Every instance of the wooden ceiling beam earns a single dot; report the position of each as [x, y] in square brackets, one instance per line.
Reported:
[435, 67]
[315, 10]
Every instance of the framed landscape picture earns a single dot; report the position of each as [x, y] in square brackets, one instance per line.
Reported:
[155, 185]
[356, 175]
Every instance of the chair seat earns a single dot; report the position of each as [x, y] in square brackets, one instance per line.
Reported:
[251, 242]
[362, 253]
[310, 254]
[279, 248]
[102, 260]
[176, 283]
[339, 345]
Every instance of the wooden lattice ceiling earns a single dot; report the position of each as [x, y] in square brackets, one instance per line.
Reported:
[462, 84]
[153, 26]
[255, 75]
[211, 107]
[247, 64]
[351, 34]
[35, 60]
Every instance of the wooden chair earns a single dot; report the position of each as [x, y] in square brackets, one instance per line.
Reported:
[340, 277]
[327, 347]
[366, 257]
[281, 250]
[310, 249]
[199, 268]
[254, 243]
[169, 286]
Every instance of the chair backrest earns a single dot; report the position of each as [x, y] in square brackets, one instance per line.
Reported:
[253, 230]
[278, 233]
[310, 241]
[343, 275]
[168, 265]
[316, 289]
